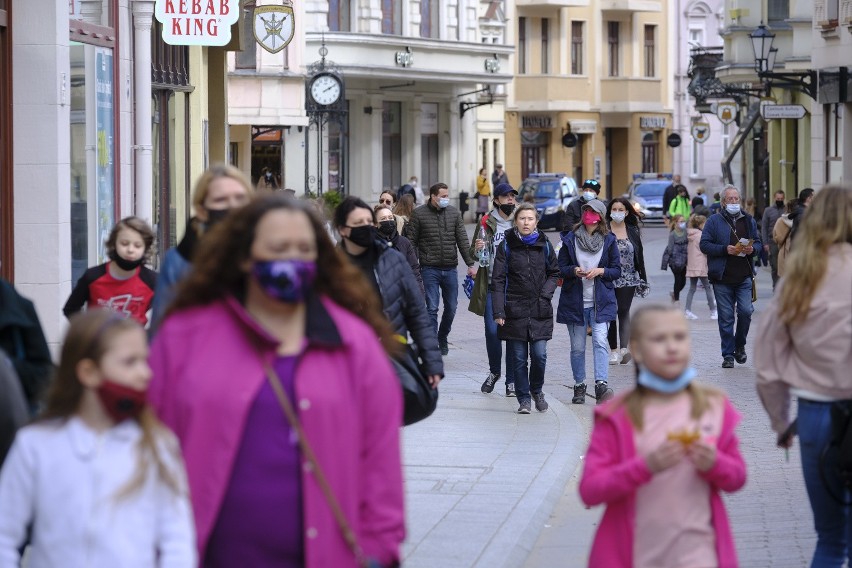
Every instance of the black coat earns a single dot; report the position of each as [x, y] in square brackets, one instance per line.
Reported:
[522, 288]
[404, 246]
[635, 237]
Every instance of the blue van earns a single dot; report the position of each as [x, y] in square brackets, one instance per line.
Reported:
[551, 193]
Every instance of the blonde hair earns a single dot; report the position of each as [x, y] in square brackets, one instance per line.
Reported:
[828, 221]
[634, 402]
[211, 174]
[677, 218]
[696, 221]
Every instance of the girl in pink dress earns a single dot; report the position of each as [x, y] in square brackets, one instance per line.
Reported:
[659, 456]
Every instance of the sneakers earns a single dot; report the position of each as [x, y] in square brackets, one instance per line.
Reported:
[740, 355]
[714, 315]
[615, 357]
[728, 363]
[579, 394]
[442, 343]
[602, 392]
[525, 407]
[540, 403]
[510, 390]
[626, 357]
[489, 383]
[689, 315]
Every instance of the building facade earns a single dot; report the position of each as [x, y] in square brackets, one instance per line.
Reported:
[600, 72]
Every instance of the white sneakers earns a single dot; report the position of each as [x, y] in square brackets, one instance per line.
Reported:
[689, 315]
[714, 315]
[615, 357]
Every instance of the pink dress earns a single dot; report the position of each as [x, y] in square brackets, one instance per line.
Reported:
[674, 521]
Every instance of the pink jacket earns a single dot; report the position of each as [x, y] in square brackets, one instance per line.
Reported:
[208, 371]
[696, 261]
[613, 472]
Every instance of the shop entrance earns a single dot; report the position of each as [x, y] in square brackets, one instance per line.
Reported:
[534, 145]
[650, 152]
[267, 155]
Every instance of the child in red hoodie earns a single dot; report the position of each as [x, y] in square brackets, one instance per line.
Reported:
[660, 455]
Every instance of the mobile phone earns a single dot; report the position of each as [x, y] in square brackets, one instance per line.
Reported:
[789, 433]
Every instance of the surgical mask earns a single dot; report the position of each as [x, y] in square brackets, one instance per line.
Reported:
[779, 203]
[216, 216]
[123, 263]
[443, 202]
[387, 228]
[618, 217]
[732, 208]
[656, 383]
[363, 235]
[590, 218]
[681, 225]
[287, 281]
[121, 402]
[589, 195]
[507, 208]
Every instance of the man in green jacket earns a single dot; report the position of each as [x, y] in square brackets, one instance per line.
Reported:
[436, 230]
[489, 234]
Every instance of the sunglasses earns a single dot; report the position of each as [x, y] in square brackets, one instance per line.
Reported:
[591, 182]
[385, 202]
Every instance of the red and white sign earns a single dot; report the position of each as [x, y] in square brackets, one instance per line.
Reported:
[197, 22]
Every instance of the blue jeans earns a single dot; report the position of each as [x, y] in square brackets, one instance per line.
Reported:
[519, 352]
[494, 346]
[730, 297]
[600, 347]
[440, 282]
[832, 521]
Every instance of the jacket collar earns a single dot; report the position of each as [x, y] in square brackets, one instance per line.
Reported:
[514, 240]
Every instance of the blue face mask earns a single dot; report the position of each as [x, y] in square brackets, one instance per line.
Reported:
[287, 281]
[443, 202]
[732, 208]
[589, 195]
[651, 381]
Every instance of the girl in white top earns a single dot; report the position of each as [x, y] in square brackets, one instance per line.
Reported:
[98, 479]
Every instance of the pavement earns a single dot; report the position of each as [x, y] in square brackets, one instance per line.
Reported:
[486, 487]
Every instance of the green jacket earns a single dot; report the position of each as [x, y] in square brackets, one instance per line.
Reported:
[679, 206]
[436, 234]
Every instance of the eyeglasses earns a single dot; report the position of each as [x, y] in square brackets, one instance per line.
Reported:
[385, 201]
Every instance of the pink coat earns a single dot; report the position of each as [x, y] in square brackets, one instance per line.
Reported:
[207, 373]
[613, 472]
[696, 261]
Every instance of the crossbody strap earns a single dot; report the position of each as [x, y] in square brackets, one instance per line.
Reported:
[319, 475]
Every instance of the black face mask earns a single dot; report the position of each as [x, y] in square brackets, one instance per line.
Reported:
[123, 263]
[387, 228]
[363, 236]
[779, 203]
[215, 216]
[507, 208]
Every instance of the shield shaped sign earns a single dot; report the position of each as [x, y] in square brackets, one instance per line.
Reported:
[701, 131]
[726, 111]
[274, 27]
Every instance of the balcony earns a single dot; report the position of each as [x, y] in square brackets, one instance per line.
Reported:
[553, 93]
[631, 6]
[623, 94]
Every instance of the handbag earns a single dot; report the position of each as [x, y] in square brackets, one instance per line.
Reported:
[318, 473]
[418, 395]
[642, 289]
[753, 289]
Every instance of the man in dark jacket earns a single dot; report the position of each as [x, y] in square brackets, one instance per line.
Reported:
[805, 198]
[22, 338]
[498, 176]
[770, 216]
[729, 240]
[437, 230]
[591, 190]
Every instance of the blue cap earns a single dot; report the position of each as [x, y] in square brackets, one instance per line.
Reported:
[504, 189]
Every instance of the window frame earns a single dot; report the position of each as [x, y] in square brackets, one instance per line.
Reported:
[614, 48]
[545, 46]
[339, 16]
[650, 50]
[522, 45]
[391, 17]
[577, 51]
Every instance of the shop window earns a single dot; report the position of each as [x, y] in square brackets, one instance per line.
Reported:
[522, 45]
[545, 45]
[650, 152]
[613, 42]
[534, 145]
[392, 17]
[429, 143]
[577, 48]
[650, 52]
[429, 18]
[247, 58]
[339, 16]
[391, 145]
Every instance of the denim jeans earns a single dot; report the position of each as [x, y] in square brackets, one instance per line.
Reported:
[832, 521]
[441, 282]
[519, 352]
[600, 347]
[494, 346]
[730, 297]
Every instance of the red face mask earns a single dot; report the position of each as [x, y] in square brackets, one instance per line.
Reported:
[590, 218]
[121, 402]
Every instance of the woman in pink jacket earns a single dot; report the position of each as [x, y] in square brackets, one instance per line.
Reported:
[269, 291]
[696, 268]
[660, 455]
[804, 349]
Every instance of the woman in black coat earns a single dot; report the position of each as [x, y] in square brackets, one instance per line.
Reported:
[389, 230]
[522, 287]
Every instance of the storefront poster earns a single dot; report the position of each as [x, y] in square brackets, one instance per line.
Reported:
[105, 132]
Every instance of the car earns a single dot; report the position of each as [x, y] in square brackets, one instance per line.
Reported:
[646, 195]
[551, 193]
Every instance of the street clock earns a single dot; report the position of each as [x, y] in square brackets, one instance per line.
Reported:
[326, 89]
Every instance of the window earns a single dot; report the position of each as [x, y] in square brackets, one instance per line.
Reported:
[695, 166]
[650, 148]
[534, 144]
[650, 52]
[338, 16]
[777, 10]
[696, 37]
[833, 142]
[522, 45]
[832, 10]
[391, 145]
[577, 48]
[429, 18]
[612, 39]
[247, 58]
[392, 17]
[545, 45]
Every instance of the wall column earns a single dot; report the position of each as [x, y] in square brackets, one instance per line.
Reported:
[143, 19]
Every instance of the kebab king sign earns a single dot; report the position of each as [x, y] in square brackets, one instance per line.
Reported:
[197, 22]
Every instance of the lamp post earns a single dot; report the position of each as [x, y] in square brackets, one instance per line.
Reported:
[764, 64]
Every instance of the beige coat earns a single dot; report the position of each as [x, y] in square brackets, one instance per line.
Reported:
[813, 355]
[781, 236]
[696, 261]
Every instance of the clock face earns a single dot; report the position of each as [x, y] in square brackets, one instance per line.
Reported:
[325, 89]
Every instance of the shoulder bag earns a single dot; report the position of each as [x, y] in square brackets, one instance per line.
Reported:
[751, 261]
[419, 398]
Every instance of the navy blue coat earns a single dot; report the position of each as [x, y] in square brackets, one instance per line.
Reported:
[716, 237]
[570, 310]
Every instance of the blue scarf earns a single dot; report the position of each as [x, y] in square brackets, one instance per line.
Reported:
[529, 239]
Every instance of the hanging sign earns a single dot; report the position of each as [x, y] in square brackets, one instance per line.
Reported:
[701, 131]
[273, 26]
[197, 22]
[726, 111]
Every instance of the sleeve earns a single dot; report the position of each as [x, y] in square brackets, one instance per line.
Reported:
[17, 501]
[729, 472]
[420, 327]
[605, 478]
[773, 351]
[639, 255]
[175, 526]
[664, 265]
[35, 367]
[755, 234]
[552, 271]
[476, 235]
[764, 226]
[566, 267]
[79, 296]
[414, 264]
[413, 231]
[462, 242]
[612, 270]
[707, 245]
[164, 292]
[498, 283]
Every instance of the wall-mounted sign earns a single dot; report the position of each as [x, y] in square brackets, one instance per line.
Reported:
[570, 140]
[541, 122]
[273, 26]
[701, 131]
[404, 58]
[492, 64]
[652, 122]
[197, 22]
[583, 126]
[726, 111]
[673, 140]
[794, 112]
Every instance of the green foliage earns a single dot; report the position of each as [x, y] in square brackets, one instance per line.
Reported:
[331, 199]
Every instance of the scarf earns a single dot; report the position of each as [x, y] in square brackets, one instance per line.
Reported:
[589, 243]
[529, 239]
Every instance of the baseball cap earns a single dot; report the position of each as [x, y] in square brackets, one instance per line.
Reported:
[595, 205]
[592, 184]
[504, 189]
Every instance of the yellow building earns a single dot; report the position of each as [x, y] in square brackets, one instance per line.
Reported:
[598, 72]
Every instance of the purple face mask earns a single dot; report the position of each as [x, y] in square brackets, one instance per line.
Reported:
[287, 280]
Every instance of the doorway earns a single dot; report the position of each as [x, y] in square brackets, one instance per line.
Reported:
[534, 145]
[267, 155]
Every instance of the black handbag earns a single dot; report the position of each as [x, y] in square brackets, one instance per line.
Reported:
[839, 448]
[419, 397]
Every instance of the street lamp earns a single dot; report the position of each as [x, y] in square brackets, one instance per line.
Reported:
[764, 64]
[761, 43]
